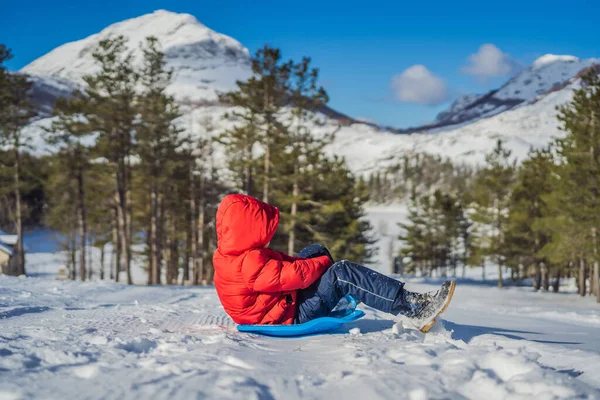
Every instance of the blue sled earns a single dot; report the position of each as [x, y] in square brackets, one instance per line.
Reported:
[318, 325]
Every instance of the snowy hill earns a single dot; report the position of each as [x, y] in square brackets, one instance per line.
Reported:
[206, 63]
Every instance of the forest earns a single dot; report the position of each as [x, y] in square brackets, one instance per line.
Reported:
[124, 171]
[538, 219]
[127, 171]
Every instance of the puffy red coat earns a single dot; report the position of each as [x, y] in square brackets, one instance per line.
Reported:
[255, 284]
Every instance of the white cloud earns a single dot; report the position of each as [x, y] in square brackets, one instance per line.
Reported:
[490, 61]
[418, 85]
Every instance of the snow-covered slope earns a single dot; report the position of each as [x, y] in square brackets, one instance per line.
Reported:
[73, 340]
[547, 73]
[522, 112]
[205, 62]
[457, 106]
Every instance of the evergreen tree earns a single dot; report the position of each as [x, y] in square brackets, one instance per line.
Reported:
[111, 113]
[437, 234]
[337, 217]
[491, 193]
[66, 134]
[157, 139]
[16, 111]
[579, 171]
[261, 100]
[525, 234]
[305, 150]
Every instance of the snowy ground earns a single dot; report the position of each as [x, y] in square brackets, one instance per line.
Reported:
[67, 340]
[71, 340]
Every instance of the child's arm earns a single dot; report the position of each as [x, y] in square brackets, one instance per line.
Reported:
[287, 257]
[264, 274]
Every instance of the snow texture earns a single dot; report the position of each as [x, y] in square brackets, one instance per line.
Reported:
[71, 340]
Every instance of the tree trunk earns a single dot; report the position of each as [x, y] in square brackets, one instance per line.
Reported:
[193, 231]
[74, 256]
[545, 277]
[70, 255]
[596, 280]
[90, 262]
[82, 223]
[582, 289]
[209, 267]
[267, 172]
[124, 217]
[500, 280]
[128, 235]
[19, 268]
[199, 273]
[186, 258]
[154, 239]
[122, 244]
[116, 244]
[102, 261]
[483, 270]
[556, 284]
[174, 262]
[293, 213]
[248, 170]
[537, 276]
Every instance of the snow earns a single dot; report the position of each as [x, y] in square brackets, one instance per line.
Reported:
[385, 220]
[546, 59]
[64, 339]
[204, 62]
[546, 73]
[67, 340]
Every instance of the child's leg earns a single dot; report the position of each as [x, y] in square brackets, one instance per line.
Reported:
[365, 285]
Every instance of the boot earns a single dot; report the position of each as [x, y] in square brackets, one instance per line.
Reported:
[423, 309]
[411, 304]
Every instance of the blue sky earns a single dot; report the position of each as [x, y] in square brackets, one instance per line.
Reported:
[366, 50]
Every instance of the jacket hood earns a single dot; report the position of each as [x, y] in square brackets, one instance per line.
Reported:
[244, 223]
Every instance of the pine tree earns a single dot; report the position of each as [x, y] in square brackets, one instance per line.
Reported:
[111, 112]
[157, 139]
[579, 158]
[261, 100]
[436, 236]
[491, 194]
[307, 98]
[337, 217]
[66, 134]
[525, 234]
[16, 111]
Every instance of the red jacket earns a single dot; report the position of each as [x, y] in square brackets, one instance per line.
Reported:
[255, 284]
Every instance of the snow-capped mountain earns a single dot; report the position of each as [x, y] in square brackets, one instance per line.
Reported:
[205, 63]
[547, 73]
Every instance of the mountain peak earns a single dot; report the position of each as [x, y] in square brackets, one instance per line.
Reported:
[204, 62]
[547, 59]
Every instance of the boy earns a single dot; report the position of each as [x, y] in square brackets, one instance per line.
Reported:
[258, 285]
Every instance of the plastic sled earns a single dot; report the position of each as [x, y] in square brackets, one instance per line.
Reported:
[318, 325]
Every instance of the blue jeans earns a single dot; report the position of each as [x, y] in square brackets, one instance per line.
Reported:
[346, 278]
